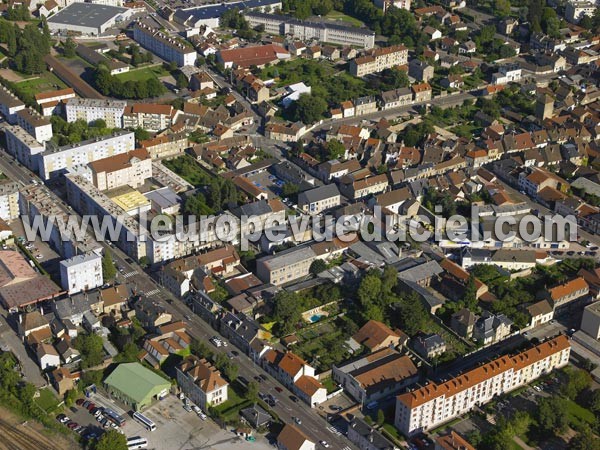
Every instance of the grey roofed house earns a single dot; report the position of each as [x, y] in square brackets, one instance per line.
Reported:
[365, 436]
[164, 197]
[256, 416]
[287, 257]
[421, 272]
[258, 208]
[72, 308]
[486, 325]
[318, 194]
[522, 256]
[428, 343]
[463, 322]
[431, 302]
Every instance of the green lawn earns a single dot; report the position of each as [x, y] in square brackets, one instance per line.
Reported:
[337, 15]
[231, 408]
[330, 385]
[47, 401]
[46, 81]
[145, 73]
[579, 414]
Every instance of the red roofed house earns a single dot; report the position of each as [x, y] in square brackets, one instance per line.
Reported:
[257, 56]
[568, 292]
[286, 367]
[291, 438]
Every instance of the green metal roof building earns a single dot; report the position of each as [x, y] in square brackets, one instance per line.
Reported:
[135, 385]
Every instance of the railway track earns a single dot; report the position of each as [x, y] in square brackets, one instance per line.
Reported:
[14, 438]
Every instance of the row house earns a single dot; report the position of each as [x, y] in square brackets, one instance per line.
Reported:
[355, 189]
[566, 294]
[396, 98]
[284, 132]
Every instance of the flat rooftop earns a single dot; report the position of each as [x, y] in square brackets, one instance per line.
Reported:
[215, 11]
[86, 14]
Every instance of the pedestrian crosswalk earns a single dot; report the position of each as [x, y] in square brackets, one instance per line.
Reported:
[152, 292]
[346, 448]
[335, 431]
[130, 274]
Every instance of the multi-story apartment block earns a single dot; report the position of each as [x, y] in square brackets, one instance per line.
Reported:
[58, 160]
[51, 102]
[149, 116]
[37, 126]
[9, 200]
[590, 321]
[81, 273]
[508, 73]
[85, 198]
[286, 266]
[396, 97]
[201, 382]
[329, 32]
[90, 110]
[319, 199]
[576, 10]
[132, 168]
[434, 404]
[378, 60]
[9, 105]
[165, 46]
[566, 293]
[166, 146]
[23, 146]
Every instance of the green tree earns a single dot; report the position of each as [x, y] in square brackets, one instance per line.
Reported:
[577, 381]
[286, 311]
[252, 391]
[334, 150]
[502, 8]
[289, 189]
[111, 440]
[552, 415]
[317, 267]
[69, 48]
[584, 440]
[201, 349]
[70, 397]
[380, 417]
[91, 349]
[308, 108]
[108, 266]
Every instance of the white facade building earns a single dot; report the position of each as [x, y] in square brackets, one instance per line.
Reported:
[90, 110]
[507, 74]
[9, 105]
[37, 126]
[81, 273]
[165, 46]
[434, 404]
[576, 10]
[9, 200]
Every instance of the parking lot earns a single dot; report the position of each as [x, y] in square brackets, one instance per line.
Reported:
[268, 182]
[176, 428]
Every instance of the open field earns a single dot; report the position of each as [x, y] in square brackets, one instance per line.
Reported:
[143, 73]
[46, 81]
[336, 15]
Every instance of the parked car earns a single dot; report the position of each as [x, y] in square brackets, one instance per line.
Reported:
[187, 408]
[79, 401]
[242, 380]
[72, 425]
[278, 389]
[324, 444]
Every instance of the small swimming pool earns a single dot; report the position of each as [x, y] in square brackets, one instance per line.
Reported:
[315, 318]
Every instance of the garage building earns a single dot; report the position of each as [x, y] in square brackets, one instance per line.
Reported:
[87, 18]
[135, 385]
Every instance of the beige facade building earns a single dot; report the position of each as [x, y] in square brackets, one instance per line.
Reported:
[166, 146]
[149, 116]
[132, 168]
[378, 60]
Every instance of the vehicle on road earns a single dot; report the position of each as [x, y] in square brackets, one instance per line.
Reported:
[537, 388]
[324, 444]
[278, 389]
[335, 408]
[243, 380]
[297, 420]
[187, 408]
[263, 377]
[294, 398]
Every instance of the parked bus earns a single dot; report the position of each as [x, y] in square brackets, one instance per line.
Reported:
[111, 415]
[137, 442]
[150, 426]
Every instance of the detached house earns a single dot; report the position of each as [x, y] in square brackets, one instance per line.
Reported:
[376, 335]
[286, 367]
[319, 199]
[291, 438]
[201, 382]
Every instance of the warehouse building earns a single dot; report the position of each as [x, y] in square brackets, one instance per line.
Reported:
[136, 386]
[209, 15]
[87, 18]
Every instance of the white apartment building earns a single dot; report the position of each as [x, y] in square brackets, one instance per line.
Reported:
[590, 321]
[49, 101]
[81, 273]
[23, 146]
[37, 126]
[90, 110]
[380, 59]
[201, 382]
[9, 200]
[576, 10]
[165, 46]
[132, 168]
[329, 32]
[434, 404]
[57, 160]
[85, 198]
[319, 199]
[285, 267]
[149, 116]
[117, 3]
[9, 105]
